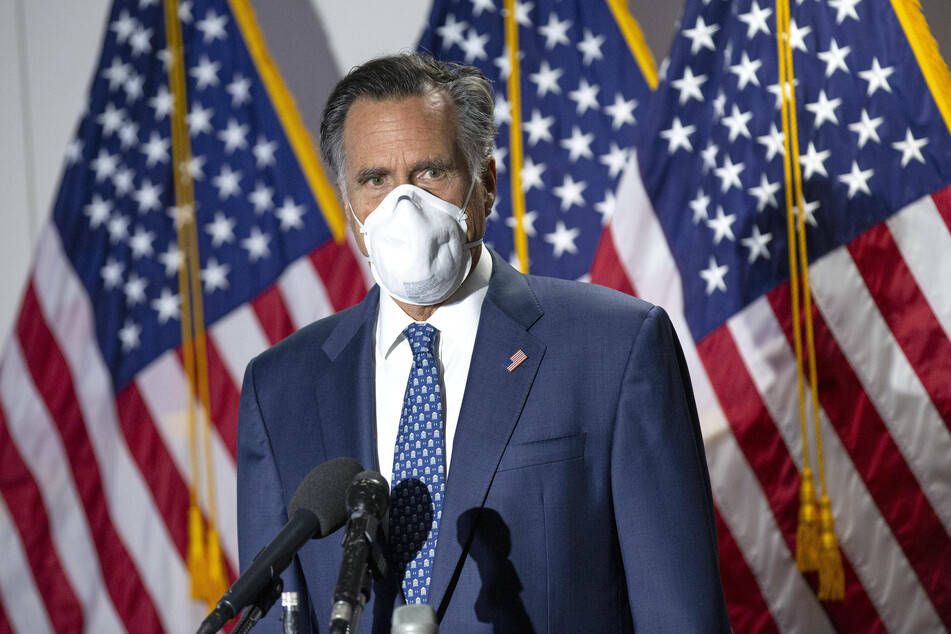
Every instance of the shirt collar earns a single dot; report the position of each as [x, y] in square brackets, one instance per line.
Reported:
[457, 317]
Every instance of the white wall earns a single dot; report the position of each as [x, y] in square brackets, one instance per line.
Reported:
[364, 30]
[47, 51]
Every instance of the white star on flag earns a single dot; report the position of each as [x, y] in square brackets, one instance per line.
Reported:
[538, 128]
[689, 86]
[227, 182]
[877, 77]
[824, 109]
[221, 230]
[546, 79]
[910, 148]
[451, 31]
[290, 215]
[755, 20]
[857, 180]
[562, 239]
[745, 71]
[729, 174]
[678, 136]
[213, 26]
[532, 175]
[757, 244]
[570, 192]
[835, 58]
[590, 47]
[737, 122]
[206, 73]
[701, 35]
[586, 96]
[714, 275]
[621, 111]
[257, 244]
[167, 305]
[813, 161]
[234, 136]
[215, 276]
[141, 243]
[722, 226]
[555, 32]
[867, 128]
[579, 144]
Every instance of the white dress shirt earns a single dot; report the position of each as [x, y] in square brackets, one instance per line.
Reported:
[457, 321]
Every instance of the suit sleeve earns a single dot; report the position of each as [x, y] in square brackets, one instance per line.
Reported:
[661, 491]
[261, 506]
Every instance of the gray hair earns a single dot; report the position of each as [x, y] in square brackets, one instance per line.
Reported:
[413, 75]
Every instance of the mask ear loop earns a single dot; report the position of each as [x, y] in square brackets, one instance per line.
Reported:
[465, 205]
[464, 215]
[363, 229]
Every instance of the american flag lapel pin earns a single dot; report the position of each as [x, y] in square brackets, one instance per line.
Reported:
[516, 360]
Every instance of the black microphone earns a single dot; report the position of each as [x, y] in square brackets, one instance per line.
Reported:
[367, 500]
[317, 509]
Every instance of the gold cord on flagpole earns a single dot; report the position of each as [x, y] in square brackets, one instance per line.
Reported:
[817, 545]
[807, 533]
[831, 573]
[204, 559]
[516, 158]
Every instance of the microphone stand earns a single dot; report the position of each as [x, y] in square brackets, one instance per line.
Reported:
[259, 607]
[353, 584]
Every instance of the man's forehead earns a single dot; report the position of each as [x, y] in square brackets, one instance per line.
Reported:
[369, 120]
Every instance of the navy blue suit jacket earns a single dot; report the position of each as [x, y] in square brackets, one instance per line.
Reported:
[577, 498]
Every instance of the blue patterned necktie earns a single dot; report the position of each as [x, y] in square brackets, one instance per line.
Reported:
[418, 469]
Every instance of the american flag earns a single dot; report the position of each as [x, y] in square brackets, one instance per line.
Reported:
[516, 360]
[94, 449]
[582, 93]
[700, 228]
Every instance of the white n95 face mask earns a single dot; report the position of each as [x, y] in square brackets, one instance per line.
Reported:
[417, 245]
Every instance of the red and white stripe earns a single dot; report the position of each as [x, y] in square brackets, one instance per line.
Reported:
[93, 490]
[882, 310]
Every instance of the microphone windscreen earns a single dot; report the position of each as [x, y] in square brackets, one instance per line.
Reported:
[323, 492]
[414, 618]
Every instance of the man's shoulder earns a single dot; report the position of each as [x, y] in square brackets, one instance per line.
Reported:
[305, 346]
[599, 305]
[556, 297]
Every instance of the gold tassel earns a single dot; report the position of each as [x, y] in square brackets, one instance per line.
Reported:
[807, 535]
[197, 555]
[831, 573]
[217, 580]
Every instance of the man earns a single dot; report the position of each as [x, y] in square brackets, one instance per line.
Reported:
[578, 497]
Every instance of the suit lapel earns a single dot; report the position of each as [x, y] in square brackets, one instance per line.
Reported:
[483, 431]
[344, 389]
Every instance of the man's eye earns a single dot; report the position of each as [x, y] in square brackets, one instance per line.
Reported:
[434, 172]
[375, 181]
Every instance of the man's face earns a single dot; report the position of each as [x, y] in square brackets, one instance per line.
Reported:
[398, 141]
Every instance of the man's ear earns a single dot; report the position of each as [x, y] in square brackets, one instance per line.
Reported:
[490, 183]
